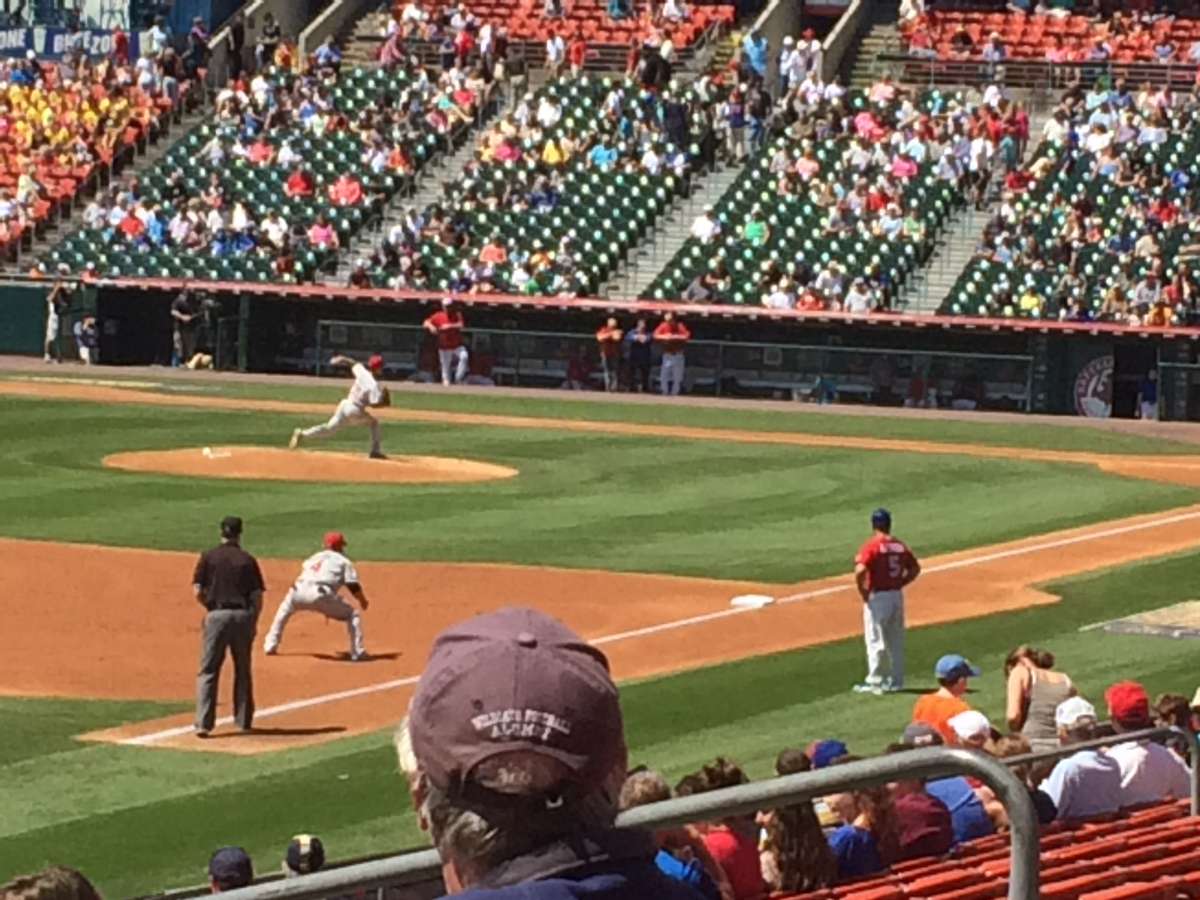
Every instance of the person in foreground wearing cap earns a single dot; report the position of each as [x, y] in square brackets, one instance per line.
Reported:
[1149, 771]
[968, 816]
[938, 708]
[305, 855]
[514, 749]
[366, 393]
[228, 869]
[883, 567]
[228, 583]
[316, 589]
[1087, 783]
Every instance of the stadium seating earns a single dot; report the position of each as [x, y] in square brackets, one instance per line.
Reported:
[1067, 38]
[1010, 288]
[598, 216]
[526, 22]
[260, 189]
[90, 125]
[797, 224]
[1151, 853]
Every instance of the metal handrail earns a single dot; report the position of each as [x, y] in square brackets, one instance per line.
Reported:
[934, 762]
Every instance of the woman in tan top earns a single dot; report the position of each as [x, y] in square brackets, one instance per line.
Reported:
[1034, 692]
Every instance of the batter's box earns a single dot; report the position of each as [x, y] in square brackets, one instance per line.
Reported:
[1180, 620]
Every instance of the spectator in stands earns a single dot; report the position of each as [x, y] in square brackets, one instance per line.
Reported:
[53, 883]
[924, 826]
[1033, 692]
[968, 816]
[755, 55]
[327, 55]
[323, 235]
[228, 869]
[794, 855]
[682, 854]
[1087, 783]
[868, 840]
[1002, 748]
[732, 842]
[506, 814]
[305, 854]
[971, 729]
[1150, 772]
[953, 673]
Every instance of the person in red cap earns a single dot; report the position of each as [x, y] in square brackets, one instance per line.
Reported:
[317, 588]
[447, 326]
[1150, 772]
[366, 393]
[514, 749]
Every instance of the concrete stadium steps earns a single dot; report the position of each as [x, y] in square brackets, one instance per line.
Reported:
[644, 262]
[864, 68]
[52, 233]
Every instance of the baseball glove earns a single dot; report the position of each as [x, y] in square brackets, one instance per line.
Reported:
[385, 398]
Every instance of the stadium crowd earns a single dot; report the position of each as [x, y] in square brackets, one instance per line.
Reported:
[521, 797]
[61, 120]
[1102, 224]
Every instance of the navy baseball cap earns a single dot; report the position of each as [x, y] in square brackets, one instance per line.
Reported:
[230, 868]
[305, 854]
[881, 518]
[954, 665]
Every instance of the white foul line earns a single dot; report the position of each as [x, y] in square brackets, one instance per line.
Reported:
[179, 731]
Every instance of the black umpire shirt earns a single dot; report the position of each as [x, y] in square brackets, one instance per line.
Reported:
[229, 576]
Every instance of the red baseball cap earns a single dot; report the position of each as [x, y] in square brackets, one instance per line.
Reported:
[1128, 703]
[375, 363]
[334, 540]
[513, 704]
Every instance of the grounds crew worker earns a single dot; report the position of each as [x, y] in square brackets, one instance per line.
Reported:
[229, 584]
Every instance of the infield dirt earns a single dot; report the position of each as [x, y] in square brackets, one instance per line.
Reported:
[125, 623]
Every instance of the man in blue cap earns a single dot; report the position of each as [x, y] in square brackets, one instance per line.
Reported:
[883, 567]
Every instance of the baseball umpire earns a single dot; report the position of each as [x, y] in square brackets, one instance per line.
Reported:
[229, 585]
[883, 567]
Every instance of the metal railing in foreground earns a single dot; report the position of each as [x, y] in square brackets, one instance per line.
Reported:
[935, 762]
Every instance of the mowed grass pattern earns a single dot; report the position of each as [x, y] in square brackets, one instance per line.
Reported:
[691, 507]
[139, 820]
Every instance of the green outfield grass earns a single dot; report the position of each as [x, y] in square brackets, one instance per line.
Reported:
[708, 508]
[139, 820]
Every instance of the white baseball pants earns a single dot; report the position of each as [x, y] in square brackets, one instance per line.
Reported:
[456, 358]
[883, 628]
[347, 414]
[318, 598]
[670, 374]
[1149, 410]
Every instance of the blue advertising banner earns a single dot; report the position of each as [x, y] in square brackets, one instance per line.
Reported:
[52, 43]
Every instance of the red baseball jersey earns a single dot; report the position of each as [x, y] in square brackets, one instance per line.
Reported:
[672, 336]
[449, 327]
[887, 559]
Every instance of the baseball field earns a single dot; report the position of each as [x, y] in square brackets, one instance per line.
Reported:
[634, 521]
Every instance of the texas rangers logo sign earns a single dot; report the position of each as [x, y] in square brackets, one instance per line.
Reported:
[1093, 388]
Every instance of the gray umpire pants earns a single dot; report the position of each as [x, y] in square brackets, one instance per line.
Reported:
[231, 629]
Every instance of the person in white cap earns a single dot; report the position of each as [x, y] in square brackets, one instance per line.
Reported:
[1087, 783]
[972, 728]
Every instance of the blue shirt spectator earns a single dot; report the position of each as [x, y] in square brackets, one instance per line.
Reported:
[967, 815]
[755, 53]
[856, 852]
[690, 872]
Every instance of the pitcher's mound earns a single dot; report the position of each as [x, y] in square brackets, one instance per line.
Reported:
[277, 464]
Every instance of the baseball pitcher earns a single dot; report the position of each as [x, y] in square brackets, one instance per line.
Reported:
[883, 567]
[322, 576]
[366, 393]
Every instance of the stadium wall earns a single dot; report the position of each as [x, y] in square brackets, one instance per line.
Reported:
[1050, 367]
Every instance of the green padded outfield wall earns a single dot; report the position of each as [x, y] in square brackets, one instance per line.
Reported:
[22, 318]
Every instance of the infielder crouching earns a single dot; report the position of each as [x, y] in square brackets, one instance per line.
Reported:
[883, 567]
[365, 393]
[316, 590]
